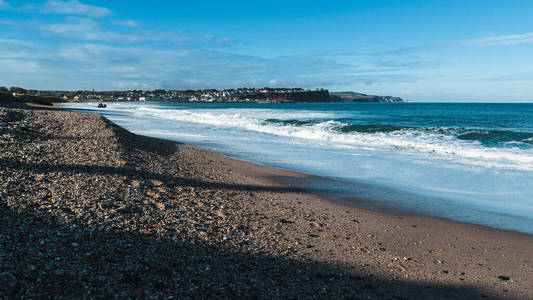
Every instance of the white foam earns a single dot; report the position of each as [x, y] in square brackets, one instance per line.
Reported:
[436, 145]
[431, 144]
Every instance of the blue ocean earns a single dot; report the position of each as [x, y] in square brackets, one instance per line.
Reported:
[466, 162]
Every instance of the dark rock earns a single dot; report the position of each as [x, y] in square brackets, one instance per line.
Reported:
[503, 278]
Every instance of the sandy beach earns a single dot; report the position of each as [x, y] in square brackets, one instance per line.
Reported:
[90, 210]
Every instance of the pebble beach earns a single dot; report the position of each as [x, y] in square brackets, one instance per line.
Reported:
[90, 210]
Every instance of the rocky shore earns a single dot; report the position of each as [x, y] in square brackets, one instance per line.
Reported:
[89, 210]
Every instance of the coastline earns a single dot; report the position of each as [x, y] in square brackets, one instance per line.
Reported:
[239, 216]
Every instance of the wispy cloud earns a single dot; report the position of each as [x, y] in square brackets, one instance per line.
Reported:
[86, 29]
[5, 42]
[108, 57]
[127, 23]
[148, 66]
[510, 76]
[213, 68]
[74, 7]
[4, 5]
[510, 39]
[403, 64]
[78, 28]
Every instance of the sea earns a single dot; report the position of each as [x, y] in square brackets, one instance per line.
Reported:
[469, 162]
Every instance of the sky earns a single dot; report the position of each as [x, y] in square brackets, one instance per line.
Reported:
[421, 50]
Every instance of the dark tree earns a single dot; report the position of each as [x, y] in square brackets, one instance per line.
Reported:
[17, 90]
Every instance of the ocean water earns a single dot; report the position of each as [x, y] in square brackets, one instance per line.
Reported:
[465, 162]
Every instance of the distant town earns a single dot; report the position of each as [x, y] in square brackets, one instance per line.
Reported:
[266, 94]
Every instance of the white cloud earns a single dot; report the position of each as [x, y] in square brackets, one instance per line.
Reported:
[96, 54]
[15, 42]
[192, 68]
[74, 7]
[127, 23]
[7, 6]
[90, 30]
[78, 28]
[510, 39]
[149, 66]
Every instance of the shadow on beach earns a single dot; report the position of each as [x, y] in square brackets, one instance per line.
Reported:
[117, 263]
[128, 264]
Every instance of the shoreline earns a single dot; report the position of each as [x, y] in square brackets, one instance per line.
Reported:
[321, 186]
[366, 252]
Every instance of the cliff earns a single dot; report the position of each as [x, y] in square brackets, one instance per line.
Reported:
[296, 96]
[358, 97]
[317, 96]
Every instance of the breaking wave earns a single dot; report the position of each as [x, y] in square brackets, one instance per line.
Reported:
[496, 148]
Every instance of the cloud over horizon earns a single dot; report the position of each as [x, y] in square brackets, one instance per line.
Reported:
[510, 39]
[72, 44]
[137, 58]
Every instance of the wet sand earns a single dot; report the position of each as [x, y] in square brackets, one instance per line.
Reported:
[91, 210]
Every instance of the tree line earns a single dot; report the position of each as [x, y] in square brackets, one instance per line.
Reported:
[12, 89]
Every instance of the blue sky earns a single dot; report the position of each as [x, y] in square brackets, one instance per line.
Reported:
[420, 50]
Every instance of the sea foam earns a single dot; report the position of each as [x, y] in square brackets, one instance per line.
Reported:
[436, 143]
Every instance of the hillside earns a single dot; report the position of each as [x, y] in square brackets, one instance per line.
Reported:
[292, 96]
[358, 97]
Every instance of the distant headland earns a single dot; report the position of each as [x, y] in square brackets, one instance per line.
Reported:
[261, 95]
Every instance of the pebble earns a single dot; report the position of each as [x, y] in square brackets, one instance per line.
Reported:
[59, 272]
